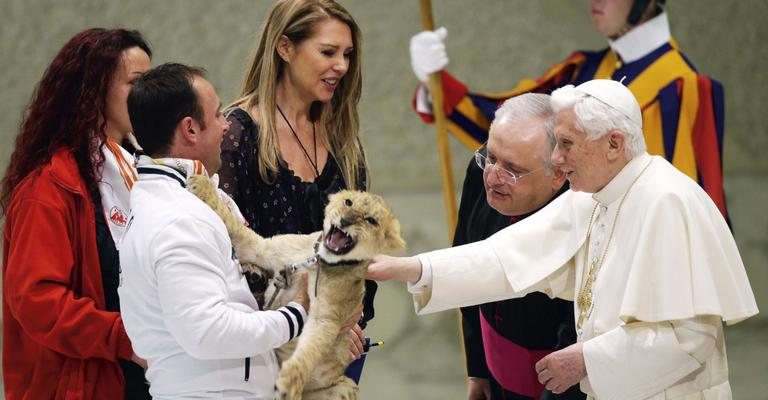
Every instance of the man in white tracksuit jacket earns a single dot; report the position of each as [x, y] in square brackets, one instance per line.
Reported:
[185, 303]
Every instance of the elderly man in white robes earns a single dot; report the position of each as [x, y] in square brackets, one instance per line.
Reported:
[641, 249]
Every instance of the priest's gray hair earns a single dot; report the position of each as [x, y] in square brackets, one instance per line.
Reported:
[527, 106]
[596, 118]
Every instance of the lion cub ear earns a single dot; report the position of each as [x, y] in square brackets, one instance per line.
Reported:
[393, 237]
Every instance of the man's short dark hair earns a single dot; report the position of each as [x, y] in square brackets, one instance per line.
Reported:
[159, 99]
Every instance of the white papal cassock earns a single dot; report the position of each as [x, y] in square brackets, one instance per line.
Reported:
[670, 274]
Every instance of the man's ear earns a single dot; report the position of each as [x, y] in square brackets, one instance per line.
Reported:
[188, 129]
[616, 144]
[284, 48]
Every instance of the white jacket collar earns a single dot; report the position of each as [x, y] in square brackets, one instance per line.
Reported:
[175, 168]
[642, 39]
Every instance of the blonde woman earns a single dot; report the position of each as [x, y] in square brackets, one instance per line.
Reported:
[294, 137]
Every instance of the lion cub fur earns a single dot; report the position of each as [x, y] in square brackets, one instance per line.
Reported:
[312, 366]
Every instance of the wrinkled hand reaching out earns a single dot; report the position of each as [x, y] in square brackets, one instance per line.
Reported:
[387, 268]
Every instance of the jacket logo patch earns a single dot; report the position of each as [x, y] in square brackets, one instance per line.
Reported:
[117, 216]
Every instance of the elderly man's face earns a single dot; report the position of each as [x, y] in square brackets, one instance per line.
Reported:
[584, 161]
[519, 148]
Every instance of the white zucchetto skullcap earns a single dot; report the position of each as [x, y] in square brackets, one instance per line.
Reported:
[615, 95]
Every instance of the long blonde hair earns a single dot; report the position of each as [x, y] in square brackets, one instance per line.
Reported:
[297, 19]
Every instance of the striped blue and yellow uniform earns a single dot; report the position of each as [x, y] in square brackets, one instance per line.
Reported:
[682, 110]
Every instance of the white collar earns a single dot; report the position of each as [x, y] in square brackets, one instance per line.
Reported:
[642, 39]
[176, 168]
[622, 181]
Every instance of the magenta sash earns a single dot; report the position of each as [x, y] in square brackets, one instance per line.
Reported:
[512, 365]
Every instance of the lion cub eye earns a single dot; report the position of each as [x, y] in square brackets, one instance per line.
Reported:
[348, 202]
[372, 221]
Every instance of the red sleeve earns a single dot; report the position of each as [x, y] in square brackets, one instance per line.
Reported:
[706, 146]
[38, 281]
[453, 92]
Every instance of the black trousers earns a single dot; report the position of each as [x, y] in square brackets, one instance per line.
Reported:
[136, 386]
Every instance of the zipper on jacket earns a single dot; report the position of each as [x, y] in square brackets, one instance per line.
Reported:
[247, 368]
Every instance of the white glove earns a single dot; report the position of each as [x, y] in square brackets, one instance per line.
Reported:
[428, 53]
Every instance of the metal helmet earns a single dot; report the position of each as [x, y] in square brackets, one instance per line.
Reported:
[638, 9]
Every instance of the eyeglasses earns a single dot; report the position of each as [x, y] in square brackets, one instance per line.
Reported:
[505, 175]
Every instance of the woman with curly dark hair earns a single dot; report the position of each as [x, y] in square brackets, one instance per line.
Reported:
[64, 199]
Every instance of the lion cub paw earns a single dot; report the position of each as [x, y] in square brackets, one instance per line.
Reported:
[288, 386]
[258, 279]
[202, 187]
[344, 389]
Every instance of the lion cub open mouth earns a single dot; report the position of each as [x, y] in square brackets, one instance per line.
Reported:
[338, 242]
[357, 226]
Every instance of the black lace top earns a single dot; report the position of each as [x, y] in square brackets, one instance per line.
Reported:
[288, 205]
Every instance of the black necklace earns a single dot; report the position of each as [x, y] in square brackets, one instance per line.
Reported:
[314, 142]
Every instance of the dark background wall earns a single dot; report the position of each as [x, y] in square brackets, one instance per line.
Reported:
[492, 45]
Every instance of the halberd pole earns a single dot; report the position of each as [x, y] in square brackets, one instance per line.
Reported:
[444, 151]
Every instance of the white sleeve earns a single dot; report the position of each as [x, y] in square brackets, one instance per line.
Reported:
[195, 290]
[422, 289]
[640, 359]
[473, 274]
[459, 276]
[535, 254]
[425, 280]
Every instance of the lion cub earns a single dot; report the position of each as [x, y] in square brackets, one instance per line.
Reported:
[357, 226]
